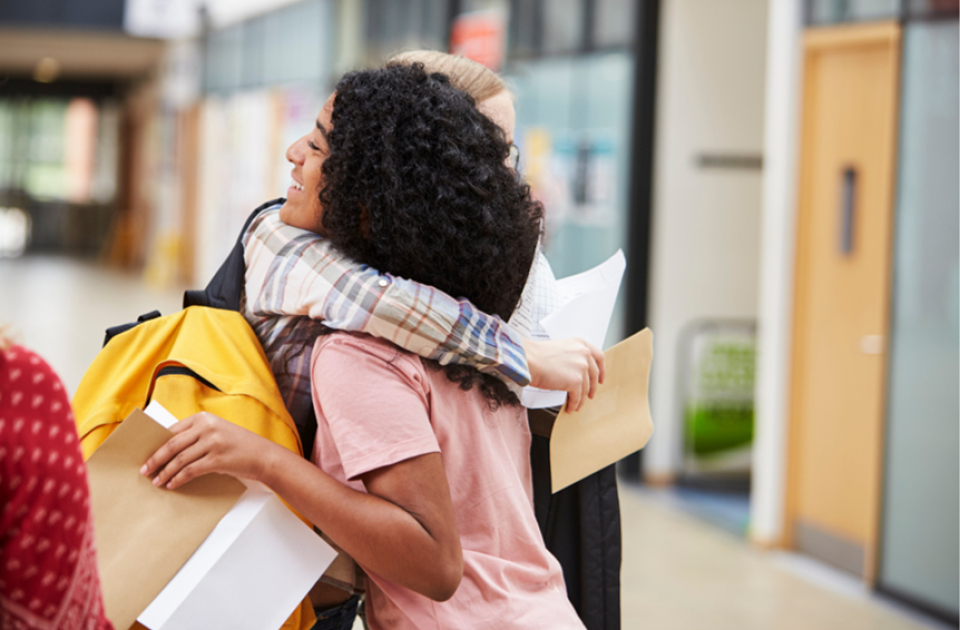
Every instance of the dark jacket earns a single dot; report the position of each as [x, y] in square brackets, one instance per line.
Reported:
[581, 527]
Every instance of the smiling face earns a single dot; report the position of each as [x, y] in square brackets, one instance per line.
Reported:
[302, 208]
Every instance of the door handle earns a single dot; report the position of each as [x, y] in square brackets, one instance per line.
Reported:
[848, 203]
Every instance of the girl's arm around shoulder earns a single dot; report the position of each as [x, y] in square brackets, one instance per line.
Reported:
[290, 271]
[295, 272]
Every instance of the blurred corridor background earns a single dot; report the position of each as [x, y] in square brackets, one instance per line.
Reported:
[783, 177]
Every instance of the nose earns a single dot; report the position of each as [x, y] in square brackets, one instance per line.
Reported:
[295, 151]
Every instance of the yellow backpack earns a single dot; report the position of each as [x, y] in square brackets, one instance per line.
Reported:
[199, 359]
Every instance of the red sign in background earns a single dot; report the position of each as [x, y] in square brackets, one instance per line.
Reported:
[480, 36]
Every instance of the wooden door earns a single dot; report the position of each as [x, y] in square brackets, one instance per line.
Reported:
[844, 229]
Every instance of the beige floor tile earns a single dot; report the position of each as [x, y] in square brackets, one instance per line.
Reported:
[61, 307]
[680, 573]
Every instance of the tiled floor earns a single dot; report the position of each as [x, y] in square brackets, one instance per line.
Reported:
[679, 572]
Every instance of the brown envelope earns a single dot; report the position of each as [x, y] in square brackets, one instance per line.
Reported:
[614, 424]
[145, 534]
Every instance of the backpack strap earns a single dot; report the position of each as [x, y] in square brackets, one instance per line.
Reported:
[113, 331]
[226, 286]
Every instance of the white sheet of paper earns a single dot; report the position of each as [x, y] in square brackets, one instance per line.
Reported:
[586, 306]
[252, 571]
[159, 413]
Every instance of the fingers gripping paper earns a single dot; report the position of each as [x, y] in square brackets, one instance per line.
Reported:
[145, 534]
[614, 424]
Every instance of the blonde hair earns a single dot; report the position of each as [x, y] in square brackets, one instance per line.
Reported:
[465, 74]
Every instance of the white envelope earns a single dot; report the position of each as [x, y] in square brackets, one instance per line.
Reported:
[252, 571]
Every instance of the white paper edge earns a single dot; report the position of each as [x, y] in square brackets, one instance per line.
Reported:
[160, 414]
[610, 274]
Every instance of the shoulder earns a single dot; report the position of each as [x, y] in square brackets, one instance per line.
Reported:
[265, 222]
[22, 363]
[31, 388]
[353, 371]
[268, 234]
[348, 353]
[268, 225]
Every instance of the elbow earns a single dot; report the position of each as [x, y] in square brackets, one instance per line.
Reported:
[447, 581]
[446, 586]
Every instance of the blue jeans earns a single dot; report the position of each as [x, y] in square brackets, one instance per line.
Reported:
[339, 617]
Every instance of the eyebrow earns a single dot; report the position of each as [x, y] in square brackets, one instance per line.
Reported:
[322, 130]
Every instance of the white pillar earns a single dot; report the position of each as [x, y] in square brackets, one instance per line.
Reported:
[781, 153]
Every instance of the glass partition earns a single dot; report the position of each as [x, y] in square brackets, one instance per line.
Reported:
[931, 8]
[573, 131]
[919, 549]
[823, 12]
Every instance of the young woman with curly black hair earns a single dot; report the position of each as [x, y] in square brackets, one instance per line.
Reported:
[421, 475]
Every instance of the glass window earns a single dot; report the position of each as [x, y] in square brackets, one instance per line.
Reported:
[920, 507]
[14, 142]
[573, 129]
[291, 44]
[484, 5]
[433, 24]
[931, 8]
[254, 39]
[614, 22]
[274, 47]
[395, 25]
[224, 59]
[46, 175]
[523, 28]
[307, 39]
[562, 26]
[104, 185]
[7, 140]
[297, 43]
[821, 12]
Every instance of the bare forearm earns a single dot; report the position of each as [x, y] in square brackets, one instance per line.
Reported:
[378, 534]
[404, 528]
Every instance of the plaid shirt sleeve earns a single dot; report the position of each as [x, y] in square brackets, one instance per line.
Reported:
[295, 272]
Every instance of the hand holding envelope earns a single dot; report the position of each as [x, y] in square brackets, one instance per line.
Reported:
[613, 424]
[143, 534]
[586, 305]
[214, 553]
[616, 422]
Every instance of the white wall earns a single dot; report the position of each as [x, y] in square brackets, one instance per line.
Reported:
[706, 222]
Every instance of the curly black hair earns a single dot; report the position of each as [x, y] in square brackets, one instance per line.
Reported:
[417, 185]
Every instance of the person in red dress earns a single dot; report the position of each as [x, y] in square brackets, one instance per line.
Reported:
[48, 563]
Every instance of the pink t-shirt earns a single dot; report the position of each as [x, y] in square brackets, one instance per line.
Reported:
[378, 405]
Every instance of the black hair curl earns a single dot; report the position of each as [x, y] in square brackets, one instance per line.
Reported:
[417, 184]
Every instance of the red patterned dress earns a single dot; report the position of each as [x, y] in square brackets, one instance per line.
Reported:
[48, 564]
